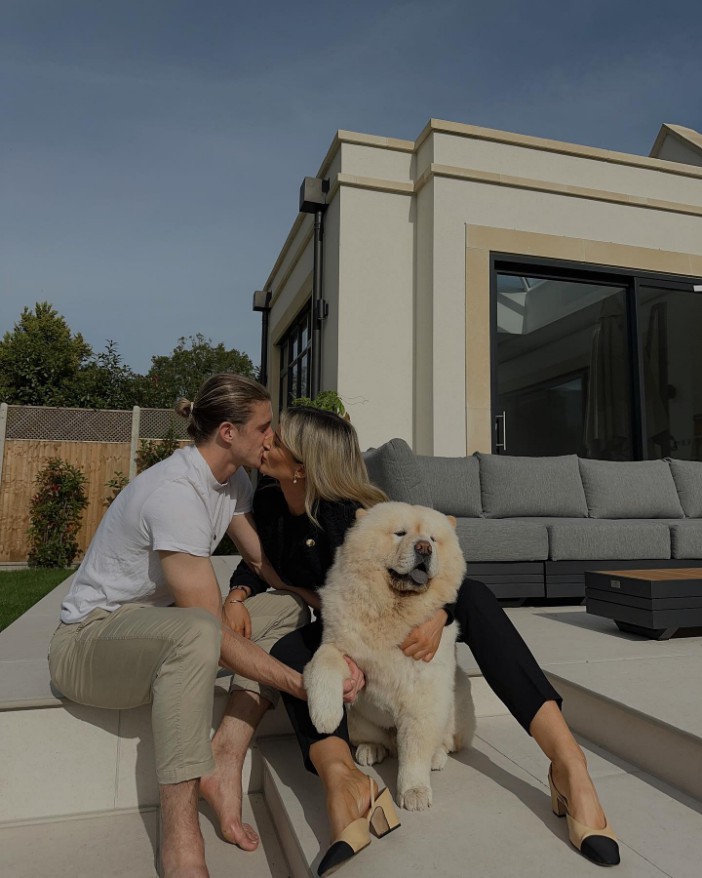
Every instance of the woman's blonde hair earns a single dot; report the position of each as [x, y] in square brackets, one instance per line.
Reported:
[327, 446]
[224, 397]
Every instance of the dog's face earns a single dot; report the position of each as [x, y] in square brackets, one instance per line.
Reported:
[415, 547]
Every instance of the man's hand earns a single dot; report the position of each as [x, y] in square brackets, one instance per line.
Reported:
[237, 617]
[353, 683]
[423, 641]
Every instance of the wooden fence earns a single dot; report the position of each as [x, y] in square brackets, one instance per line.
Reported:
[21, 459]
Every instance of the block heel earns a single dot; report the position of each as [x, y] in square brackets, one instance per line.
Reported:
[383, 817]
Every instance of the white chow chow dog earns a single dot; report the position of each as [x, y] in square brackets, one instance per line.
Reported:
[396, 567]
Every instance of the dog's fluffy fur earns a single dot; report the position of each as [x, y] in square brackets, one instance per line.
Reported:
[397, 566]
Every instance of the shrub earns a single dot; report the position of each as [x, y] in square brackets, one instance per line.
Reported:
[328, 400]
[55, 513]
[152, 451]
[118, 481]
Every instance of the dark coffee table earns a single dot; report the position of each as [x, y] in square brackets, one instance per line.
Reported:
[654, 603]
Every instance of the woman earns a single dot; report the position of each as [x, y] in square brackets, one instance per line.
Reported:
[321, 481]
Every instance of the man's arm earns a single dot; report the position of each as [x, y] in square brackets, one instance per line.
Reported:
[242, 530]
[193, 583]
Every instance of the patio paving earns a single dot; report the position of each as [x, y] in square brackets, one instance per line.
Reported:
[633, 702]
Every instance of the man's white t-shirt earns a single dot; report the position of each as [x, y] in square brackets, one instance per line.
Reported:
[176, 505]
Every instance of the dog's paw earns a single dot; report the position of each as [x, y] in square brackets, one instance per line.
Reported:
[370, 754]
[326, 713]
[415, 799]
[438, 760]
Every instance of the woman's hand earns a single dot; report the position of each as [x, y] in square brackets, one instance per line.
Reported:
[237, 617]
[423, 641]
[353, 683]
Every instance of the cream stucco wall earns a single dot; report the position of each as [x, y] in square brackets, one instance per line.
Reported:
[409, 233]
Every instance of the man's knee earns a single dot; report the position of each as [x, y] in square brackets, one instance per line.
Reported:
[293, 612]
[202, 636]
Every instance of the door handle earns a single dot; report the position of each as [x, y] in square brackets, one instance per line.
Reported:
[503, 444]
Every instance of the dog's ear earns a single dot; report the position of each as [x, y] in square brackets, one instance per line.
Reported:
[452, 521]
[360, 512]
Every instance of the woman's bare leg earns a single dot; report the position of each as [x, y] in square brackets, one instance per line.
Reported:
[570, 775]
[347, 788]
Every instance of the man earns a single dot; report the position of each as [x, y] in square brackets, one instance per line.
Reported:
[143, 618]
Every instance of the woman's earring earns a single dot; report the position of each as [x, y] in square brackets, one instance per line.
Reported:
[294, 480]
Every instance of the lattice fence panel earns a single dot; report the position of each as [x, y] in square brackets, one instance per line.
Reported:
[99, 442]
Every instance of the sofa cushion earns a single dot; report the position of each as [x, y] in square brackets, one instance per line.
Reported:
[394, 469]
[687, 475]
[686, 539]
[454, 484]
[589, 540]
[630, 489]
[522, 486]
[483, 539]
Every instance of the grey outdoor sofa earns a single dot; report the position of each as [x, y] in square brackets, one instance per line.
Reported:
[531, 526]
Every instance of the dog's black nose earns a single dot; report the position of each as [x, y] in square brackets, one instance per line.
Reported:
[422, 547]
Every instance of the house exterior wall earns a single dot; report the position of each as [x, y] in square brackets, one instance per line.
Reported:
[409, 232]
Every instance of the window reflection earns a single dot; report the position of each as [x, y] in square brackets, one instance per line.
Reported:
[670, 325]
[562, 366]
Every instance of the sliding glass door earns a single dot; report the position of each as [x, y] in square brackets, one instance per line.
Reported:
[670, 345]
[602, 365]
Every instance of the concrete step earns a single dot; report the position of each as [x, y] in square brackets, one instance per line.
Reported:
[122, 843]
[103, 760]
[629, 694]
[491, 816]
[70, 760]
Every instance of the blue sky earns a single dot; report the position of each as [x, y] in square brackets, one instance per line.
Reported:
[152, 150]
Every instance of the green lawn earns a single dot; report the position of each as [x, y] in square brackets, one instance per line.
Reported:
[21, 589]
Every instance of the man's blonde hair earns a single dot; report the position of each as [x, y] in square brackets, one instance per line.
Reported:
[224, 397]
[327, 446]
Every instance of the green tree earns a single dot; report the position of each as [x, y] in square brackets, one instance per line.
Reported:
[181, 373]
[105, 382]
[40, 359]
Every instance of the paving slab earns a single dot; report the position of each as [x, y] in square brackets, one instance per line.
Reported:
[490, 819]
[125, 843]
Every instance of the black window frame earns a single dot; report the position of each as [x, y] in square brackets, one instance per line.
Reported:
[291, 365]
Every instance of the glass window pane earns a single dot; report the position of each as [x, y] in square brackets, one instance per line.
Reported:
[670, 326]
[562, 364]
[294, 360]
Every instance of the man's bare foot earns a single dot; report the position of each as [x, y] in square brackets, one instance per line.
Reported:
[348, 798]
[222, 791]
[182, 847]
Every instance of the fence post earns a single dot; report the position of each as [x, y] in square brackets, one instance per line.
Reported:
[3, 428]
[136, 417]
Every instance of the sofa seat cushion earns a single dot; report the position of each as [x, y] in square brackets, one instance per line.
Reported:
[686, 539]
[687, 475]
[454, 484]
[526, 486]
[600, 540]
[394, 469]
[630, 489]
[484, 539]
